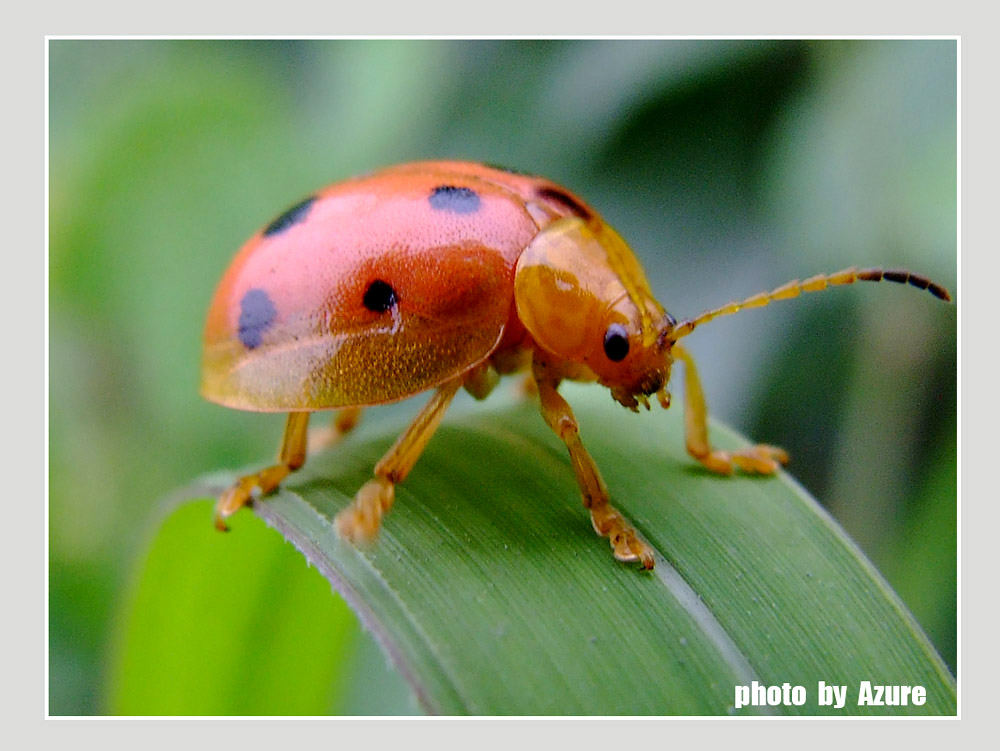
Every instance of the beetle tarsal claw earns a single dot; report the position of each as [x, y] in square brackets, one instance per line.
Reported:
[228, 504]
[245, 490]
[626, 545]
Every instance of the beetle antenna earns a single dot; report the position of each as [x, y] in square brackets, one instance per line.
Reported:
[813, 284]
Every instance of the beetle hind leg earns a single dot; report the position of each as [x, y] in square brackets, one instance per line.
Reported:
[291, 458]
[361, 521]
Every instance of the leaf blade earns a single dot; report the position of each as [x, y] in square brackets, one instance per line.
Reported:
[491, 594]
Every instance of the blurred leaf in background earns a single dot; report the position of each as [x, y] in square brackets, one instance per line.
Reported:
[730, 166]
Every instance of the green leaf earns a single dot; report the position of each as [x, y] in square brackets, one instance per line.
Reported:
[218, 628]
[491, 594]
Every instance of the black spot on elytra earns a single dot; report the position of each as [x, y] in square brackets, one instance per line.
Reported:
[454, 199]
[379, 297]
[257, 313]
[551, 193]
[294, 215]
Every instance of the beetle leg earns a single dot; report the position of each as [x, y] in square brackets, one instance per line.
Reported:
[481, 380]
[762, 458]
[361, 520]
[529, 387]
[607, 520]
[343, 422]
[291, 457]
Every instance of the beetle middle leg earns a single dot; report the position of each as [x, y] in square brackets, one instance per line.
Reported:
[291, 457]
[762, 458]
[361, 520]
[607, 520]
[343, 422]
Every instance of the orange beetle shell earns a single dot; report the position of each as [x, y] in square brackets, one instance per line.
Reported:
[291, 328]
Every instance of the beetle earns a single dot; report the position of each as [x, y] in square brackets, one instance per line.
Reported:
[442, 275]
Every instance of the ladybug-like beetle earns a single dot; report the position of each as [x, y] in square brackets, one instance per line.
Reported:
[439, 275]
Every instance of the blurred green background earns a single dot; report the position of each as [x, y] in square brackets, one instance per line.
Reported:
[730, 166]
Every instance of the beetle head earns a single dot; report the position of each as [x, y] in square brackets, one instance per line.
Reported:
[585, 300]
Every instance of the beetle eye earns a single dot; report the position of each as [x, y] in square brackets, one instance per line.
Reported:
[616, 342]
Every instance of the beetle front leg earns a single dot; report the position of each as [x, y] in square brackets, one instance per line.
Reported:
[291, 457]
[607, 520]
[361, 520]
[762, 458]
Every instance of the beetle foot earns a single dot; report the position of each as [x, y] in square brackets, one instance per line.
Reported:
[360, 522]
[626, 544]
[243, 491]
[231, 501]
[762, 459]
